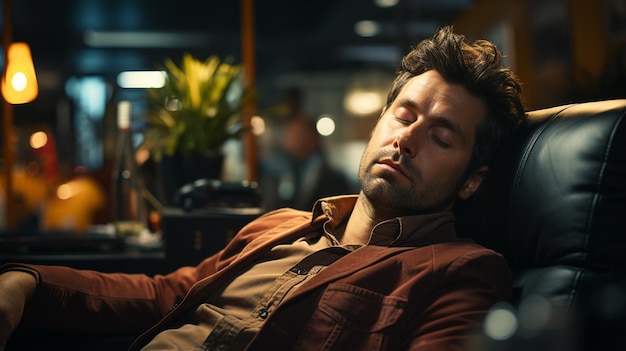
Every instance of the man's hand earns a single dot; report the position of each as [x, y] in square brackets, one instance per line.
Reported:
[15, 289]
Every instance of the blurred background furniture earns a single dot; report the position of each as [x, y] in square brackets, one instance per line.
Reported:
[191, 236]
[554, 203]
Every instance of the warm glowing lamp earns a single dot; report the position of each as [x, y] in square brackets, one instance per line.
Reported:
[19, 83]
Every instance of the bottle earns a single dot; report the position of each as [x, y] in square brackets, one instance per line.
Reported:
[129, 205]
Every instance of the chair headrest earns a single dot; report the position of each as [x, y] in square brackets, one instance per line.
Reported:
[556, 193]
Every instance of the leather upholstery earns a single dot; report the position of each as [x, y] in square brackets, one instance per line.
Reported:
[554, 202]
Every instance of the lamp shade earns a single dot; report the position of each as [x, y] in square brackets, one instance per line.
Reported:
[19, 83]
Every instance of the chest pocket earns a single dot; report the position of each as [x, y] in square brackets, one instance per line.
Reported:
[352, 317]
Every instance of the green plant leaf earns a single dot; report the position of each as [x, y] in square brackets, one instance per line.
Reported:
[198, 108]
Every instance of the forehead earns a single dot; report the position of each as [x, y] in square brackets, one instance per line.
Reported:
[431, 94]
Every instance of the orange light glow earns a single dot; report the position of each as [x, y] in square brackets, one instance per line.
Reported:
[38, 140]
[19, 84]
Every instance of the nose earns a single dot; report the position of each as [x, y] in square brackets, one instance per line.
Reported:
[405, 142]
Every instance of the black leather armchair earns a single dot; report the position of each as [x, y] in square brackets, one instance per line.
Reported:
[554, 203]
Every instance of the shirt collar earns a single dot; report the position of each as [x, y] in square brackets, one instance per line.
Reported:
[392, 232]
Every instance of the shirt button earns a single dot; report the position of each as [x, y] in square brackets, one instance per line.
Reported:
[263, 313]
[300, 271]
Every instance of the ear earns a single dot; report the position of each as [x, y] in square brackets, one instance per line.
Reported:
[473, 182]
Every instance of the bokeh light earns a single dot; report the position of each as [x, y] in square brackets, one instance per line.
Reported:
[38, 140]
[325, 125]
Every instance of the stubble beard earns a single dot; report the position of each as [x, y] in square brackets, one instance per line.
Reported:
[384, 191]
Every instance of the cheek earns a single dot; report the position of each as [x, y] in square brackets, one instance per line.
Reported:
[367, 155]
[443, 168]
[381, 137]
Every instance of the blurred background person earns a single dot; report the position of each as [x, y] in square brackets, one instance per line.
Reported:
[301, 173]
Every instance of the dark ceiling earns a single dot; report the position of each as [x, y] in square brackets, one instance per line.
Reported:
[290, 35]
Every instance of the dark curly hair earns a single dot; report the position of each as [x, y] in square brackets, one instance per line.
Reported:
[478, 67]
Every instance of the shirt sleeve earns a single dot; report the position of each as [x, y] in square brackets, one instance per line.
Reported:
[69, 299]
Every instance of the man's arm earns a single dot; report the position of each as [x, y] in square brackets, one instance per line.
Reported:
[68, 299]
[16, 288]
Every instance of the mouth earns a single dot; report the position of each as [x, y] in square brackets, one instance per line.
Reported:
[392, 167]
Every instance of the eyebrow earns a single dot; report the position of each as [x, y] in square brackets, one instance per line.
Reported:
[439, 120]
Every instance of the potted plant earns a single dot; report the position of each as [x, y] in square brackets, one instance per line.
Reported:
[190, 118]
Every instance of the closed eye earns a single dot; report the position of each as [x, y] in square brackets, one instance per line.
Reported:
[403, 121]
[440, 141]
[404, 115]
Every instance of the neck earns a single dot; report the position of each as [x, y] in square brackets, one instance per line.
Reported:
[360, 224]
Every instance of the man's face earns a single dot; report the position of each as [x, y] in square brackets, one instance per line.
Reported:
[420, 148]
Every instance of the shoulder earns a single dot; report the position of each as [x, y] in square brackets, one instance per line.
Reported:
[465, 259]
[461, 251]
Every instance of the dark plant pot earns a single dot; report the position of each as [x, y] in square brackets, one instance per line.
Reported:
[180, 169]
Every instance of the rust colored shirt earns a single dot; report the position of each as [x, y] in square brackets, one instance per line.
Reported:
[233, 314]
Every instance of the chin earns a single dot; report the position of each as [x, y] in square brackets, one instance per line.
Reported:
[376, 186]
[383, 193]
